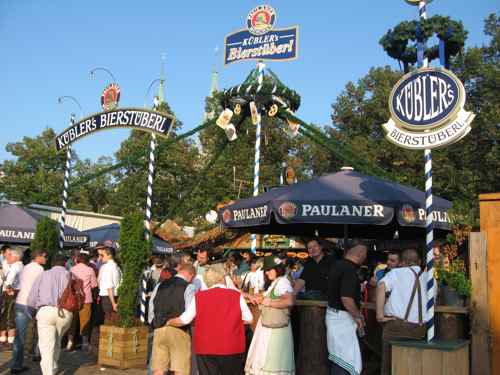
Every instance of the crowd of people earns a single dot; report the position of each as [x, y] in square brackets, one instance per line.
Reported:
[213, 317]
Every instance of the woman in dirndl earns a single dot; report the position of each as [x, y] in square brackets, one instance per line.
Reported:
[271, 350]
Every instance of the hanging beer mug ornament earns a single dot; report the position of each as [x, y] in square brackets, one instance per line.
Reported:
[230, 132]
[224, 118]
[255, 114]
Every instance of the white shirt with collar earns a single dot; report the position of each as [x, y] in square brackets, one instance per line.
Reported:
[110, 277]
[400, 283]
[12, 275]
[190, 313]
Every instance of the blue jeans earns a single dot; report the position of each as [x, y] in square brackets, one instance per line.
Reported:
[23, 317]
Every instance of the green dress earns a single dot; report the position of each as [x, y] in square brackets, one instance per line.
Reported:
[271, 350]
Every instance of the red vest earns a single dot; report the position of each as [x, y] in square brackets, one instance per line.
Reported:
[218, 327]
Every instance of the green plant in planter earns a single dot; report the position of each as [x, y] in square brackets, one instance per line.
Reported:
[46, 238]
[133, 257]
[456, 278]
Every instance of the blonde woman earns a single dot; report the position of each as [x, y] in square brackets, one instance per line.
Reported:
[271, 350]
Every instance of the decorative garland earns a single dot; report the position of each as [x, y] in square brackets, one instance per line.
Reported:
[452, 33]
[271, 96]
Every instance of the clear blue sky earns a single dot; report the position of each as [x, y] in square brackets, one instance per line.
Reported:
[49, 47]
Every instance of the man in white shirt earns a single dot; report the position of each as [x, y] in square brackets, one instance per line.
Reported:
[110, 277]
[23, 312]
[403, 314]
[10, 289]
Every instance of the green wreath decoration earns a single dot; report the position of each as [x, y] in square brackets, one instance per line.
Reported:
[272, 96]
[452, 33]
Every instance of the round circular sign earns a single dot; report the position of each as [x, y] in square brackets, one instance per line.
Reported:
[261, 19]
[426, 98]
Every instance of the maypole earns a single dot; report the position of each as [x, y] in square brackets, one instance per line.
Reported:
[256, 169]
[422, 62]
[67, 171]
[427, 111]
[148, 233]
[253, 44]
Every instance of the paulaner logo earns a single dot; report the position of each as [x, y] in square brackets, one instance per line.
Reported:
[261, 19]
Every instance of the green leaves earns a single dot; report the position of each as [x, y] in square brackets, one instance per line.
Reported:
[46, 238]
[133, 256]
[400, 43]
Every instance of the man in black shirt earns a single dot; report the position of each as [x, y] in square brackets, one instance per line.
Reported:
[343, 315]
[314, 276]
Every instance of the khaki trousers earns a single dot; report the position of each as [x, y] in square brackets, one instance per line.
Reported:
[51, 329]
[398, 329]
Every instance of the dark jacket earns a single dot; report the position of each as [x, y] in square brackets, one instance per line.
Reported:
[169, 301]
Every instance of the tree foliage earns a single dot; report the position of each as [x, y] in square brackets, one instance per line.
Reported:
[36, 173]
[176, 168]
[134, 254]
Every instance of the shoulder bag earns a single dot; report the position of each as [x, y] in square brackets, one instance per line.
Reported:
[73, 298]
[271, 317]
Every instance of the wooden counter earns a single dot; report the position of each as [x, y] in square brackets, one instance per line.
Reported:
[371, 306]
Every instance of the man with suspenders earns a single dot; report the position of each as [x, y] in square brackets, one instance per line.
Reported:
[403, 314]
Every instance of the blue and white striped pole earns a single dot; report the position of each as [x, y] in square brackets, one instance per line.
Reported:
[149, 197]
[148, 232]
[429, 226]
[256, 170]
[62, 218]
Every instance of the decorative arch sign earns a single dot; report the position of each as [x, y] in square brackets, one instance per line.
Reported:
[134, 118]
[427, 110]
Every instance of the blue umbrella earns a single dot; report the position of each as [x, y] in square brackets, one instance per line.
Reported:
[111, 232]
[364, 205]
[18, 225]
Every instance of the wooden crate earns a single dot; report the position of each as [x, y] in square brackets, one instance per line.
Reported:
[436, 358]
[123, 348]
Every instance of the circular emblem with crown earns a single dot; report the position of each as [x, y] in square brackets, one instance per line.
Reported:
[408, 213]
[287, 210]
[261, 19]
[110, 97]
[226, 216]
